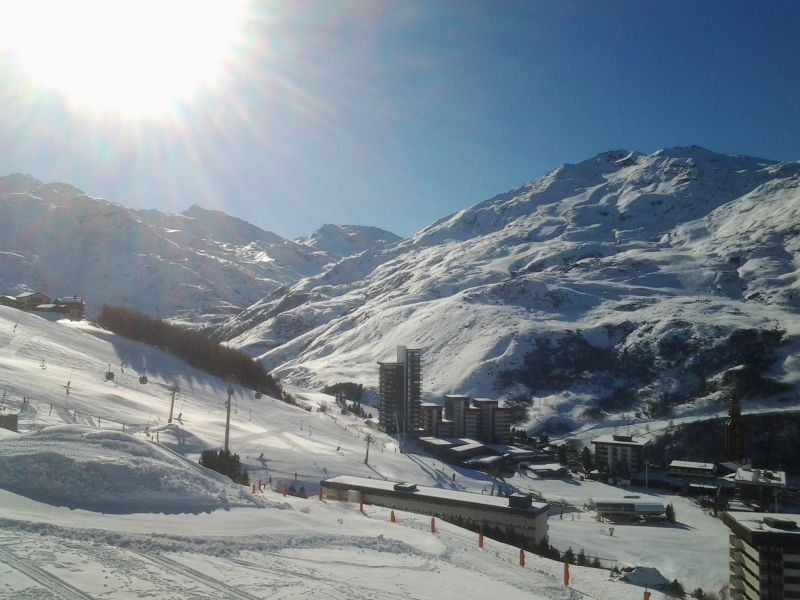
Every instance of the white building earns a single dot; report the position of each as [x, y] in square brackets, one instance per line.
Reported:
[620, 453]
[516, 513]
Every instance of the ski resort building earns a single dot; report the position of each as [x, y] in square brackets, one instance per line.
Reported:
[516, 513]
[764, 555]
[485, 420]
[685, 468]
[400, 391]
[620, 453]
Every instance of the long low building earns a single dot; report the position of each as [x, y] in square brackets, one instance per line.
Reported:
[516, 513]
[629, 508]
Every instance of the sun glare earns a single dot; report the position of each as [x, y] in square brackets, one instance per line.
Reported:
[126, 56]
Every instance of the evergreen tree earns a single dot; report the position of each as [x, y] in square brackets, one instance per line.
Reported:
[676, 589]
[670, 513]
[586, 458]
[581, 558]
[568, 556]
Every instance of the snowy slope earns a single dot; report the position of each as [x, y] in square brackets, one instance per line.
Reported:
[617, 275]
[56, 239]
[82, 488]
[339, 241]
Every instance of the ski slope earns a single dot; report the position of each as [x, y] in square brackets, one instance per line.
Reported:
[101, 498]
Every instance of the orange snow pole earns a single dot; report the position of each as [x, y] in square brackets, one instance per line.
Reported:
[480, 540]
[361, 505]
[392, 518]
[433, 525]
[320, 494]
[566, 574]
[521, 557]
[646, 595]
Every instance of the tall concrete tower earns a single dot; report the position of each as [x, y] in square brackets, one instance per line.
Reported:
[400, 391]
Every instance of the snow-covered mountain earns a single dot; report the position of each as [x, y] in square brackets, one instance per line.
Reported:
[339, 241]
[57, 239]
[649, 282]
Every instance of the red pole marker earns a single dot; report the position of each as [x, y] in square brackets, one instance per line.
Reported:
[646, 595]
[320, 493]
[392, 518]
[566, 574]
[480, 540]
[361, 505]
[521, 557]
[433, 525]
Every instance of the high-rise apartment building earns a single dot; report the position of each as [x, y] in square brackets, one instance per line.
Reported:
[400, 392]
[764, 555]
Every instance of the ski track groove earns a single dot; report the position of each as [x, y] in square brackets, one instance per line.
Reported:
[54, 584]
[349, 590]
[176, 567]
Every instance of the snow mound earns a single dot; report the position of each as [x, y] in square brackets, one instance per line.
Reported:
[112, 472]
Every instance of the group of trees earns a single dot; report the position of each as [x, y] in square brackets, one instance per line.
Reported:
[225, 462]
[346, 389]
[191, 345]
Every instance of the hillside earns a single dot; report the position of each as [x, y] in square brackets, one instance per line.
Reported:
[102, 498]
[199, 265]
[653, 283]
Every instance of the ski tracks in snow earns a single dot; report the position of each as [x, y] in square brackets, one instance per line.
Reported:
[174, 566]
[58, 587]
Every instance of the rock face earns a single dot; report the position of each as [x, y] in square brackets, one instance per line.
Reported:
[200, 265]
[653, 282]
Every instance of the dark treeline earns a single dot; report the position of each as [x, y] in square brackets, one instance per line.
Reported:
[195, 348]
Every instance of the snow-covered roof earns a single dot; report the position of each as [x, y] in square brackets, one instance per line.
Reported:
[629, 505]
[761, 477]
[687, 464]
[430, 492]
[621, 440]
[467, 448]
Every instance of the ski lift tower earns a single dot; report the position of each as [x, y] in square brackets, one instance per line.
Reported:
[228, 413]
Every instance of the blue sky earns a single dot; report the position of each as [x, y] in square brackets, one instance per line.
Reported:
[395, 114]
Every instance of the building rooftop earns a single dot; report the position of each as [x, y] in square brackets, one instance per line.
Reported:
[687, 464]
[484, 401]
[434, 441]
[761, 477]
[428, 405]
[765, 528]
[621, 440]
[467, 447]
[421, 491]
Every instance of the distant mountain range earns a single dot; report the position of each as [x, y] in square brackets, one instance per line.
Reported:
[198, 265]
[651, 283]
[660, 284]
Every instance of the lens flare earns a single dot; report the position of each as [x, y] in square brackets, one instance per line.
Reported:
[133, 57]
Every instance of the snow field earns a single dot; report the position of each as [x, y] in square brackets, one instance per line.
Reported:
[313, 445]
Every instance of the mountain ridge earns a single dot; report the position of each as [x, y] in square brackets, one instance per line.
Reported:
[620, 250]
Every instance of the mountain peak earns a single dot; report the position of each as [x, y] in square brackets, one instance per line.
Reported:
[345, 240]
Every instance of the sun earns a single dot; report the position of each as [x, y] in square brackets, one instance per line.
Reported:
[125, 56]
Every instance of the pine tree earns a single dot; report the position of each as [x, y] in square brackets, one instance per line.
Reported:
[670, 513]
[569, 556]
[581, 558]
